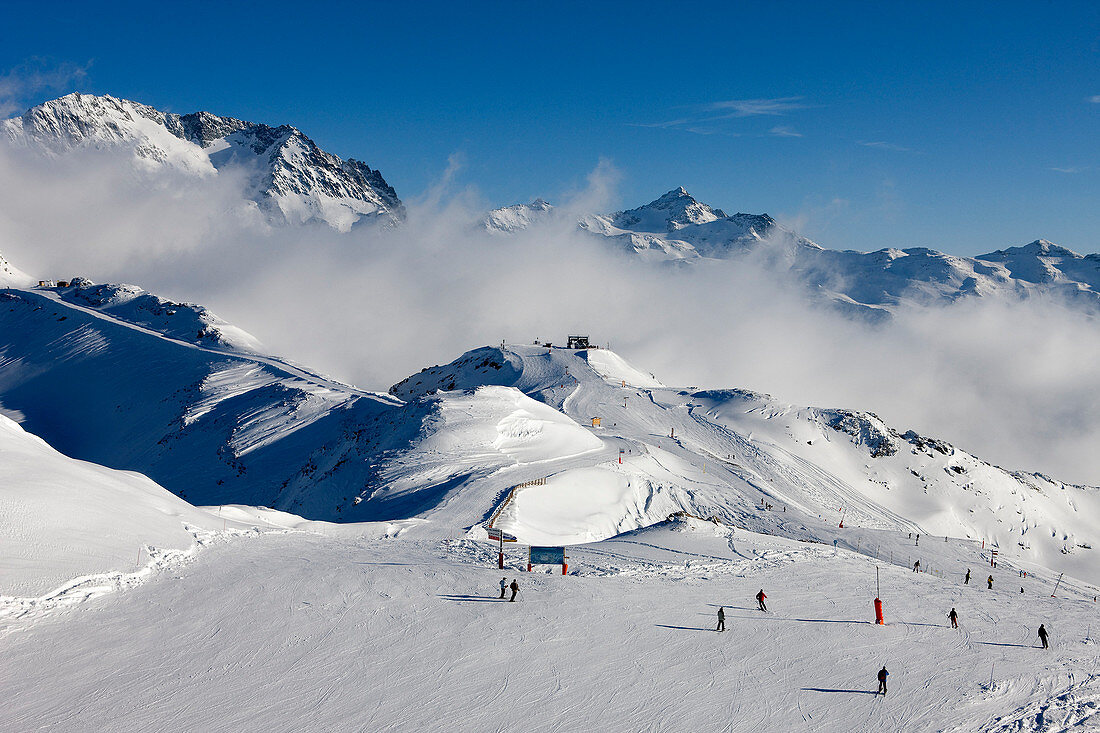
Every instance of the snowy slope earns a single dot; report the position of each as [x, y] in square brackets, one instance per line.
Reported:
[724, 453]
[866, 285]
[353, 631]
[213, 425]
[11, 277]
[218, 426]
[292, 180]
[64, 519]
[182, 321]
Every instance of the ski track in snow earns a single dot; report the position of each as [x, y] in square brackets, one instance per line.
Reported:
[330, 630]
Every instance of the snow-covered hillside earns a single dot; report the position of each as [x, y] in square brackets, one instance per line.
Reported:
[10, 277]
[868, 285]
[212, 424]
[65, 519]
[730, 454]
[104, 379]
[292, 179]
[672, 503]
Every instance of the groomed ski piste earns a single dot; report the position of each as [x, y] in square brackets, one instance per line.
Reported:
[124, 607]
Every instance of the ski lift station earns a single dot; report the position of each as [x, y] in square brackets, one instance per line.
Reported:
[578, 342]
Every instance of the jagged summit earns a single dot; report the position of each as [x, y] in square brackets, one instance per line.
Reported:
[289, 176]
[672, 211]
[517, 217]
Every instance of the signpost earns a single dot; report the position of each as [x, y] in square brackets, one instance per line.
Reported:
[547, 556]
[501, 537]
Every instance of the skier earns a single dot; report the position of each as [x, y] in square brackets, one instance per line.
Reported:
[954, 619]
[918, 539]
[882, 674]
[503, 586]
[916, 566]
[721, 619]
[989, 580]
[515, 589]
[1043, 635]
[966, 580]
[760, 599]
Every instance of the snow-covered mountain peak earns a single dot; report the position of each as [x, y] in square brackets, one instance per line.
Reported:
[517, 217]
[289, 176]
[1038, 248]
[667, 214]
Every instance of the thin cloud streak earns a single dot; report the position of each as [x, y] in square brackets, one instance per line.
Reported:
[784, 131]
[775, 106]
[884, 145]
[707, 117]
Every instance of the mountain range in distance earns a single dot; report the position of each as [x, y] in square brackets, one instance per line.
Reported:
[293, 182]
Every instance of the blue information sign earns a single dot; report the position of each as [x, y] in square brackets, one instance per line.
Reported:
[547, 555]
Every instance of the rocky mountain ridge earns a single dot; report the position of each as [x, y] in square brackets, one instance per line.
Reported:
[291, 179]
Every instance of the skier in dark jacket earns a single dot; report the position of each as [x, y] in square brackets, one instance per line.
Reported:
[721, 619]
[515, 589]
[916, 566]
[760, 599]
[1043, 635]
[954, 619]
[882, 674]
[989, 580]
[966, 580]
[503, 586]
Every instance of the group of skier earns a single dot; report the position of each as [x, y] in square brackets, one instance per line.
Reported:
[953, 616]
[505, 586]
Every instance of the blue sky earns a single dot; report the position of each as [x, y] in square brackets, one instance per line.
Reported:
[966, 127]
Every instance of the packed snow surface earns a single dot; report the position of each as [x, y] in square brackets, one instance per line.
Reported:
[368, 627]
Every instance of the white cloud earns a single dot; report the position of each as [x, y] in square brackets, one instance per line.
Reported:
[1095, 99]
[883, 145]
[756, 107]
[33, 77]
[1011, 382]
[784, 131]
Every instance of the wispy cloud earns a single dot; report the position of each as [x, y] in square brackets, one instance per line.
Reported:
[712, 118]
[34, 76]
[784, 131]
[756, 107]
[1095, 99]
[884, 145]
[1069, 169]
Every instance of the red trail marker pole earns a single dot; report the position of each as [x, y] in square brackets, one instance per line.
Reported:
[879, 619]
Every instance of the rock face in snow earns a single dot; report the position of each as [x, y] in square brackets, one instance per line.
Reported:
[864, 284]
[289, 177]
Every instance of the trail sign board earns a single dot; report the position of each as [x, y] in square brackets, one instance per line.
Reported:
[547, 555]
[497, 535]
